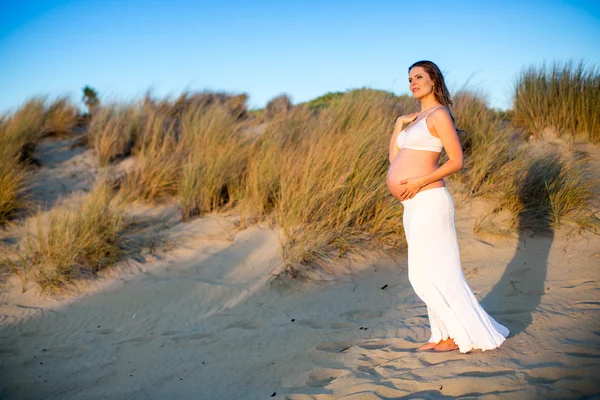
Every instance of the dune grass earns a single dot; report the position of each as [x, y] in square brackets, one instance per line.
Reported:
[319, 173]
[72, 240]
[553, 188]
[283, 138]
[562, 96]
[113, 131]
[538, 189]
[234, 103]
[12, 185]
[215, 157]
[60, 117]
[488, 146]
[186, 148]
[157, 171]
[18, 134]
[316, 171]
[323, 175]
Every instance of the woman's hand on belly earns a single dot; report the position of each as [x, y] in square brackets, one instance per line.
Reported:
[396, 190]
[412, 186]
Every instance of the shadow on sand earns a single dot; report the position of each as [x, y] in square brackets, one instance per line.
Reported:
[62, 170]
[518, 293]
[168, 324]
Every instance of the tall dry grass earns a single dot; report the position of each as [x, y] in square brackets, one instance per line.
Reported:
[60, 117]
[70, 241]
[323, 175]
[215, 157]
[12, 185]
[552, 188]
[562, 96]
[317, 171]
[536, 188]
[283, 138]
[19, 132]
[157, 171]
[490, 150]
[234, 103]
[113, 131]
[188, 147]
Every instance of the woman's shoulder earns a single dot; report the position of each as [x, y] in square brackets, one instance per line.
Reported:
[440, 113]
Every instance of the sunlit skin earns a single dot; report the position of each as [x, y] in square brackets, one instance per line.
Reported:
[412, 170]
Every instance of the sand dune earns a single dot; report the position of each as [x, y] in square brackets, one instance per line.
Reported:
[206, 320]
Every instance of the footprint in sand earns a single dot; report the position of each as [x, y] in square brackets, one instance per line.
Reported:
[373, 346]
[334, 347]
[323, 377]
[369, 370]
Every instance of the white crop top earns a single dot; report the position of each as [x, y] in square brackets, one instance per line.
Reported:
[418, 137]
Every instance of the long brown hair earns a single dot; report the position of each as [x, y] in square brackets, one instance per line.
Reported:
[439, 90]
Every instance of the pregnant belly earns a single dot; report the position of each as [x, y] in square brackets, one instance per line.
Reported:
[411, 164]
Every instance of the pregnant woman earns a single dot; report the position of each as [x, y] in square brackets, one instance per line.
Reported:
[456, 318]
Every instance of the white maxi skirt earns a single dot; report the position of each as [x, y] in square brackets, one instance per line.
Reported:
[435, 273]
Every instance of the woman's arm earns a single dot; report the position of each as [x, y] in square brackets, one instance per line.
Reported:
[393, 148]
[442, 125]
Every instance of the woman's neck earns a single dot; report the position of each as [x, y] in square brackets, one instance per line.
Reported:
[426, 105]
[429, 102]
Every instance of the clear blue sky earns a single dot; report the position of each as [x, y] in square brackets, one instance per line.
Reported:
[263, 48]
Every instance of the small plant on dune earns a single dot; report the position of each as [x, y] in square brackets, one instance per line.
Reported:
[565, 97]
[71, 240]
[90, 98]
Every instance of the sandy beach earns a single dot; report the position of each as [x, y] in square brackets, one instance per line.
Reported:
[205, 319]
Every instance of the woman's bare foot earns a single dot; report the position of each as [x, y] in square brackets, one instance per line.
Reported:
[446, 345]
[427, 346]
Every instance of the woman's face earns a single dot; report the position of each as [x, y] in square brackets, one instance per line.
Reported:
[420, 82]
